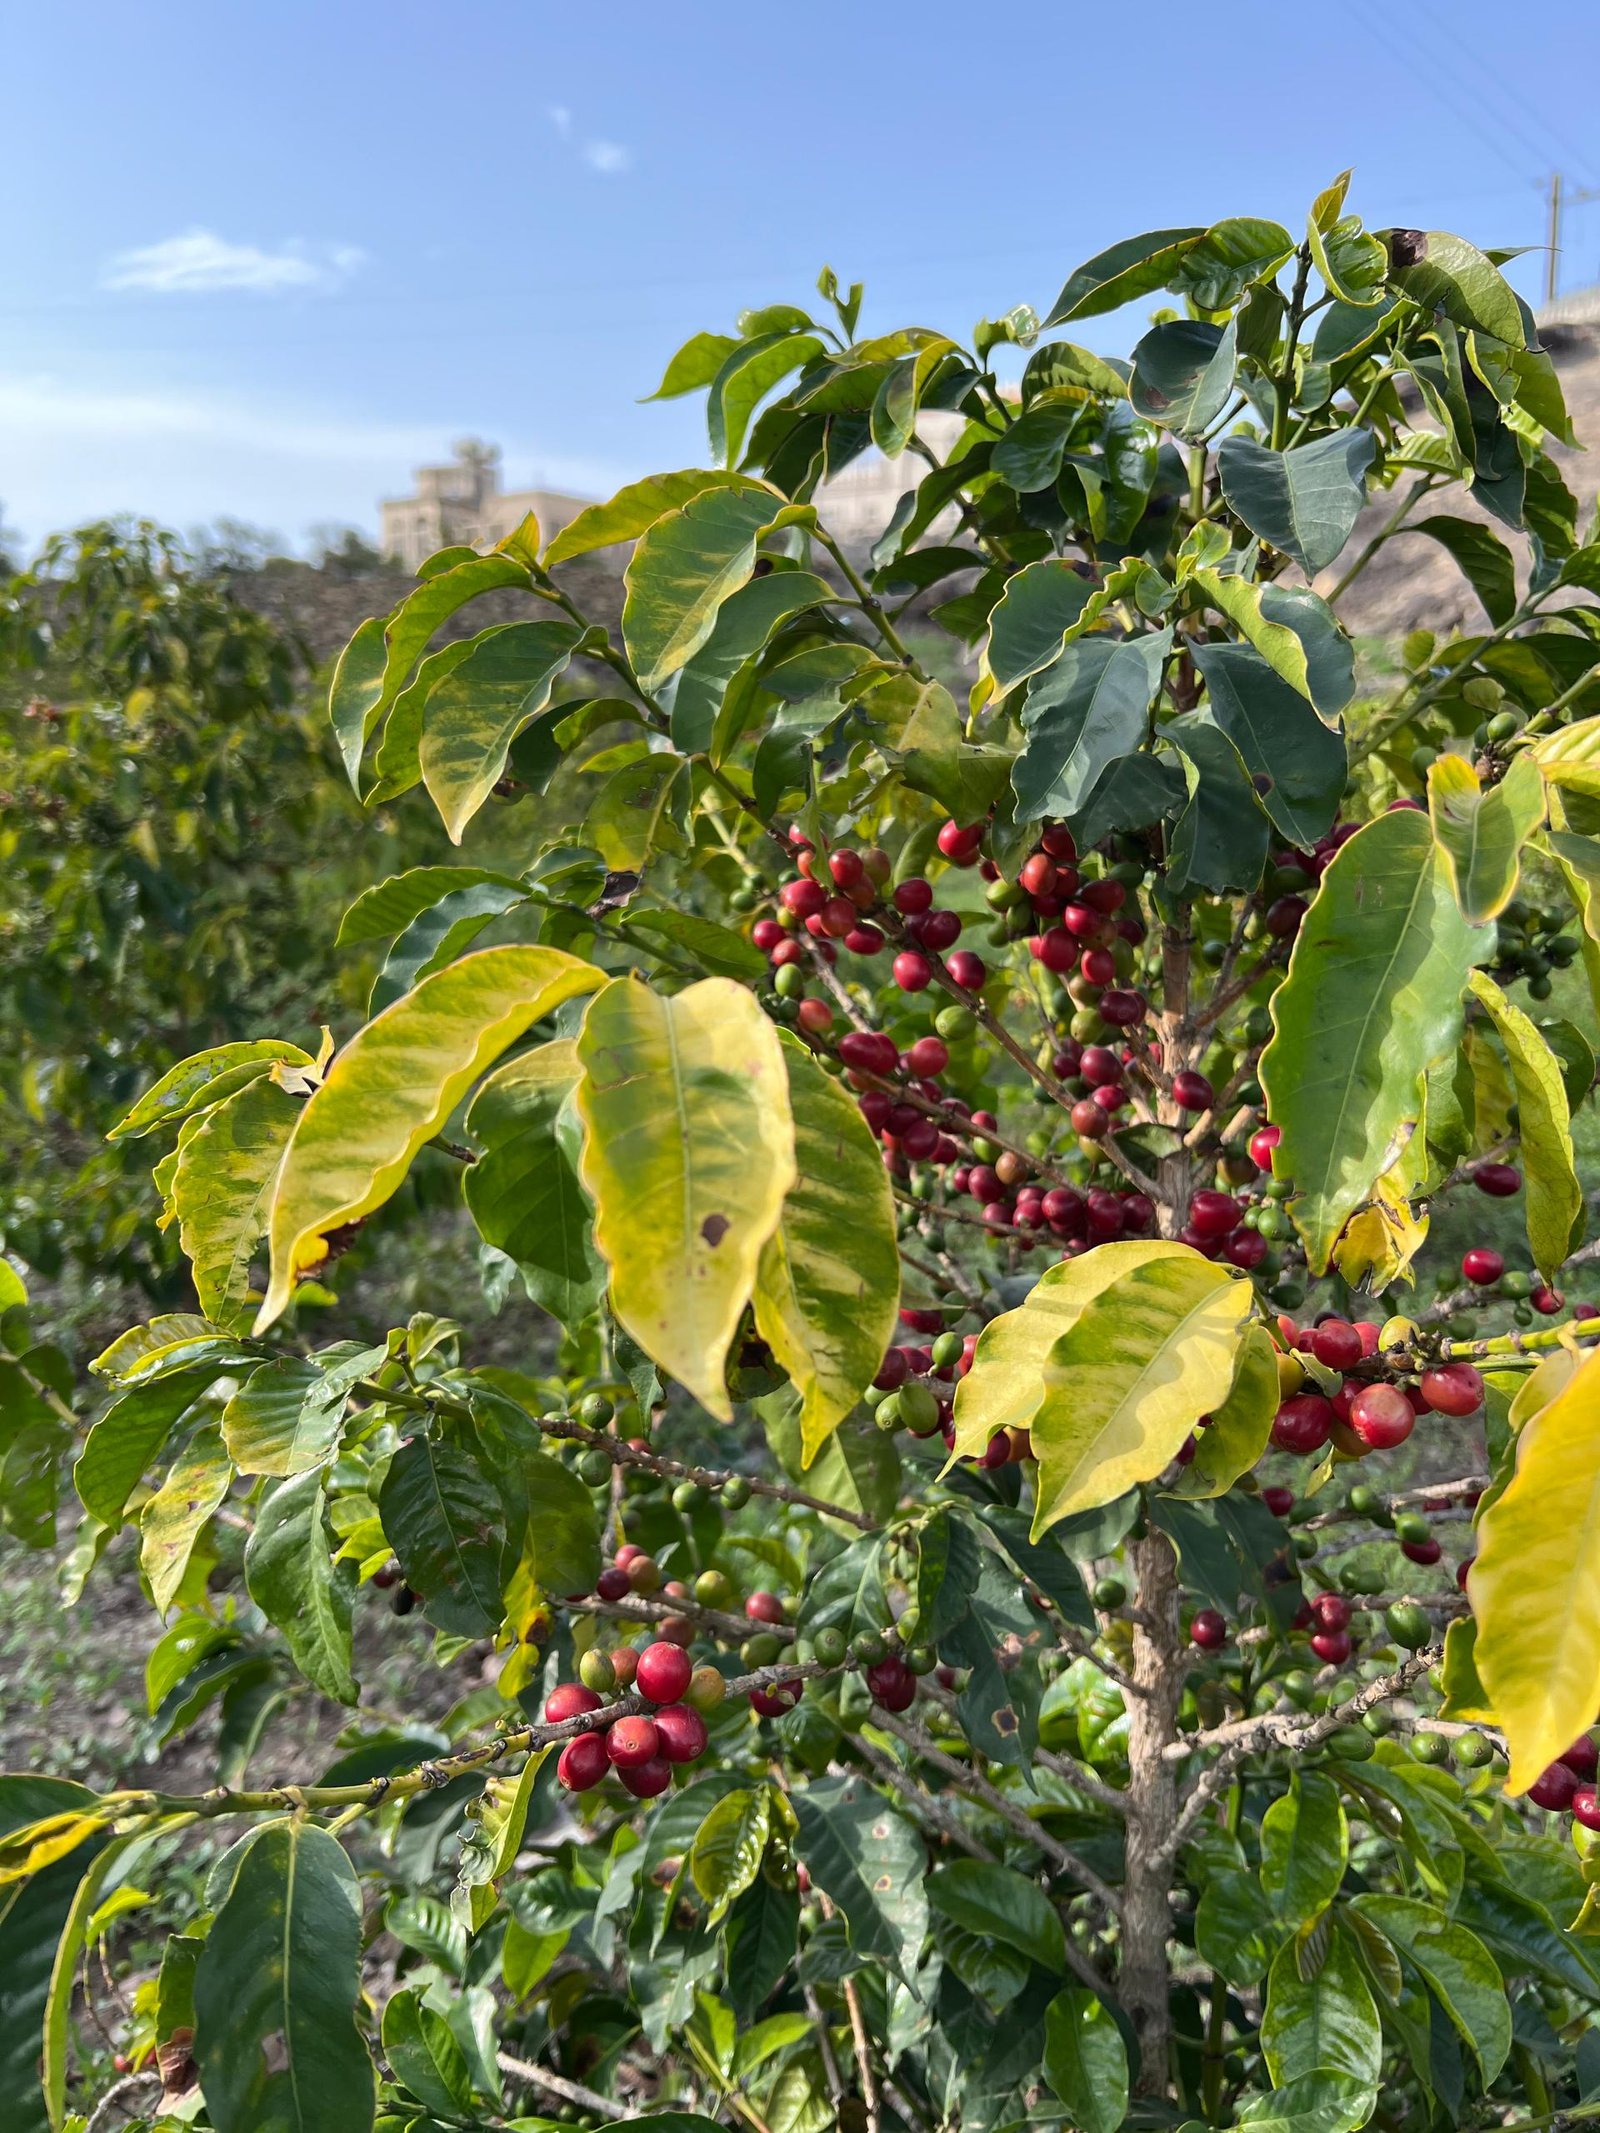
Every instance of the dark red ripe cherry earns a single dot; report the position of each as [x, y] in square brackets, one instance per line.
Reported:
[1192, 1092]
[913, 895]
[584, 1762]
[1058, 951]
[966, 970]
[892, 1370]
[1245, 1248]
[1106, 897]
[764, 1607]
[1336, 1343]
[1097, 966]
[940, 930]
[1547, 1301]
[1582, 1756]
[912, 970]
[1037, 874]
[804, 898]
[1586, 1807]
[846, 868]
[1278, 1500]
[1099, 1066]
[1332, 1646]
[1123, 1009]
[1058, 841]
[960, 845]
[664, 1671]
[682, 1731]
[570, 1699]
[1482, 1267]
[1283, 917]
[647, 1781]
[1208, 1630]
[1381, 1417]
[863, 940]
[1453, 1389]
[871, 1051]
[1424, 1552]
[1262, 1143]
[632, 1742]
[892, 1682]
[1089, 1121]
[929, 1055]
[1498, 1180]
[1553, 1788]
[1330, 1610]
[773, 1702]
[612, 1583]
[766, 933]
[1303, 1424]
[1213, 1214]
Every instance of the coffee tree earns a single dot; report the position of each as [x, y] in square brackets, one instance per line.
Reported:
[1022, 1589]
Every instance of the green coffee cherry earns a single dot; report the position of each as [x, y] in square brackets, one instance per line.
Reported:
[1409, 1625]
[595, 1410]
[1351, 1744]
[868, 1646]
[789, 982]
[921, 1658]
[947, 1350]
[596, 1672]
[1411, 1526]
[1378, 1721]
[763, 1649]
[1109, 1594]
[1429, 1747]
[735, 1492]
[1472, 1751]
[830, 1646]
[1366, 1502]
[712, 1589]
[594, 1468]
[688, 1496]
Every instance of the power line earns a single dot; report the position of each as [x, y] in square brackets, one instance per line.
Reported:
[1507, 89]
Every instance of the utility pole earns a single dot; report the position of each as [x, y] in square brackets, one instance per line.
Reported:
[1560, 200]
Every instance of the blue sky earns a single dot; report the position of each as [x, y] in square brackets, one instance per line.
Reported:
[264, 257]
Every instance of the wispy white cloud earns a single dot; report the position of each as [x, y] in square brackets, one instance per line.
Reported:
[610, 158]
[200, 261]
[561, 118]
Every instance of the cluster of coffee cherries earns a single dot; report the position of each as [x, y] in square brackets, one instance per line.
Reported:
[1568, 1785]
[641, 1747]
[1362, 1413]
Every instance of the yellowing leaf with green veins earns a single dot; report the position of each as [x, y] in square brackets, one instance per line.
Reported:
[688, 1153]
[1570, 756]
[475, 712]
[1379, 1243]
[173, 1519]
[222, 1189]
[1481, 831]
[1533, 1588]
[828, 1282]
[392, 1088]
[1125, 1385]
[203, 1080]
[1236, 1436]
[1577, 860]
[1553, 1198]
[1005, 1385]
[687, 564]
[634, 510]
[1372, 997]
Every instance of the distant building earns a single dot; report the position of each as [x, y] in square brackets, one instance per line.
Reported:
[463, 504]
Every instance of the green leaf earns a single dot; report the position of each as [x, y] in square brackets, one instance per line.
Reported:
[1328, 2022]
[1456, 278]
[476, 711]
[688, 1153]
[285, 1418]
[1183, 373]
[998, 1903]
[719, 951]
[1235, 1927]
[292, 1578]
[1297, 766]
[1029, 455]
[745, 621]
[1061, 366]
[1236, 1436]
[1306, 500]
[374, 666]
[561, 1543]
[1459, 1969]
[828, 1280]
[728, 1848]
[385, 911]
[34, 1916]
[1372, 997]
[445, 1520]
[1221, 838]
[203, 1080]
[222, 1189]
[746, 375]
[1031, 620]
[857, 1468]
[1122, 272]
[1323, 2102]
[177, 1340]
[1305, 1848]
[872, 1863]
[636, 811]
[392, 1088]
[275, 1991]
[686, 565]
[1085, 2060]
[1091, 707]
[1293, 630]
[1481, 831]
[523, 1191]
[636, 508]
[1486, 562]
[695, 364]
[1553, 1202]
[437, 936]
[173, 1519]
[424, 2056]
[65, 1979]
[1148, 1354]
[1350, 260]
[128, 1438]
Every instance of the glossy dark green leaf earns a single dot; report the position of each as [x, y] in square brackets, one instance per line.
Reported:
[999, 1903]
[523, 1191]
[438, 935]
[1229, 259]
[872, 1863]
[1293, 630]
[1029, 455]
[1454, 277]
[744, 623]
[129, 1436]
[1323, 2102]
[1306, 500]
[1485, 560]
[1029, 625]
[1236, 1929]
[744, 378]
[292, 1578]
[1220, 839]
[33, 1915]
[1325, 2022]
[424, 2055]
[1305, 1847]
[1120, 273]
[445, 1521]
[1060, 364]
[1091, 707]
[1296, 765]
[1085, 2060]
[1183, 373]
[1458, 1968]
[276, 1987]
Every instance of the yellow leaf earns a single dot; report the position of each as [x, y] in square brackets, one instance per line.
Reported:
[1379, 1243]
[1156, 1349]
[688, 1152]
[29, 1850]
[1236, 1436]
[1533, 1587]
[1481, 831]
[392, 1088]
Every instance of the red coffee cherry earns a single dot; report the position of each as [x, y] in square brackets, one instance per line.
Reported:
[584, 1762]
[625, 1664]
[646, 1781]
[912, 970]
[891, 1681]
[1381, 1417]
[1192, 1092]
[683, 1732]
[1208, 1630]
[1498, 1180]
[1452, 1389]
[1213, 1214]
[612, 1583]
[1278, 1500]
[1553, 1788]
[966, 970]
[929, 1055]
[1582, 1756]
[1586, 1807]
[1245, 1248]
[1547, 1301]
[1089, 1122]
[912, 895]
[569, 1699]
[1283, 917]
[633, 1742]
[1037, 874]
[1330, 1610]
[1336, 1343]
[864, 940]
[1482, 1267]
[1424, 1552]
[773, 1702]
[1303, 1424]
[814, 1016]
[766, 1606]
[1100, 1067]
[846, 868]
[1262, 1143]
[960, 846]
[1332, 1646]
[663, 1672]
